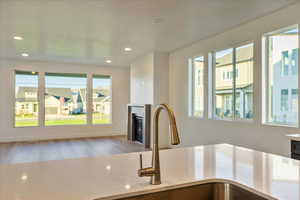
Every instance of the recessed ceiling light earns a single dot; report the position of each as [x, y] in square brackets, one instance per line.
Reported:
[24, 177]
[127, 186]
[25, 54]
[108, 61]
[18, 38]
[108, 167]
[127, 49]
[33, 72]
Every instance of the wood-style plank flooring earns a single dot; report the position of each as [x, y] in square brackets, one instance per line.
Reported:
[24, 152]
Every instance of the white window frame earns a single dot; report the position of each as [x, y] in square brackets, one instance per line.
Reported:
[41, 98]
[91, 101]
[191, 80]
[87, 101]
[211, 75]
[15, 98]
[265, 78]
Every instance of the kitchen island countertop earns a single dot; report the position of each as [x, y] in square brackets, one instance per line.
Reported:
[112, 177]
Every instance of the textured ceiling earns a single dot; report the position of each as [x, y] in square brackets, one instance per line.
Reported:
[92, 31]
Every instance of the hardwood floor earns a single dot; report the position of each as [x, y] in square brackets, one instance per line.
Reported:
[24, 152]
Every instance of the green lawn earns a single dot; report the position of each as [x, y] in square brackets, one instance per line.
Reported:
[101, 121]
[26, 123]
[65, 122]
[78, 120]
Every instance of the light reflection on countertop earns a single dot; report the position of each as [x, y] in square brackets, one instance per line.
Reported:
[109, 177]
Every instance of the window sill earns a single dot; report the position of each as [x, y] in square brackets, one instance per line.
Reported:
[67, 125]
[280, 125]
[102, 124]
[233, 120]
[18, 127]
[194, 117]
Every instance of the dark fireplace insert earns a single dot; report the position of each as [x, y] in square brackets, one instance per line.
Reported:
[138, 124]
[138, 128]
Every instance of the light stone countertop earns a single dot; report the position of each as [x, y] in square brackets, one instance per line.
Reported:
[111, 177]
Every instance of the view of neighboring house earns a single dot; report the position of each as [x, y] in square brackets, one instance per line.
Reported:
[284, 58]
[26, 101]
[199, 87]
[65, 101]
[101, 101]
[61, 101]
[244, 83]
[224, 83]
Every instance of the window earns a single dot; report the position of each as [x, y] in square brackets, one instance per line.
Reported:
[101, 99]
[285, 63]
[65, 99]
[233, 83]
[244, 82]
[289, 62]
[199, 77]
[284, 97]
[281, 77]
[294, 101]
[197, 87]
[223, 88]
[26, 106]
[228, 75]
[294, 61]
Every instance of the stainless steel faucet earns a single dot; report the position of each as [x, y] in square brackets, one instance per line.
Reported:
[154, 171]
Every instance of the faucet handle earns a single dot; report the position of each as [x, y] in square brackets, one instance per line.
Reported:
[149, 171]
[141, 161]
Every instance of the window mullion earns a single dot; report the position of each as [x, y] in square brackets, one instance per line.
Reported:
[266, 82]
[298, 81]
[234, 83]
[193, 88]
[89, 98]
[213, 84]
[205, 86]
[41, 99]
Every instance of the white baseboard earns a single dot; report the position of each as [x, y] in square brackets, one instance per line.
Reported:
[4, 139]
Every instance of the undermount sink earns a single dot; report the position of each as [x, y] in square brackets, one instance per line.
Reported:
[209, 191]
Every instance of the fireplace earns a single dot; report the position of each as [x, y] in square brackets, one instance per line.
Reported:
[137, 124]
[139, 121]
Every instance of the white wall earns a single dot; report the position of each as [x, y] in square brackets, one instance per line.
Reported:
[142, 80]
[161, 94]
[150, 85]
[120, 98]
[249, 134]
[161, 77]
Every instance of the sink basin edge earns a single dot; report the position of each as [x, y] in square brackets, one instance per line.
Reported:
[165, 187]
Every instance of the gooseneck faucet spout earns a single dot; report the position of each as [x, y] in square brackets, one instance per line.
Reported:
[154, 171]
